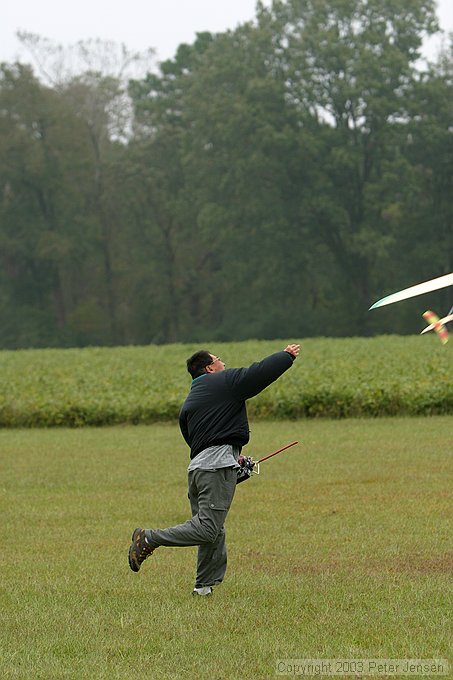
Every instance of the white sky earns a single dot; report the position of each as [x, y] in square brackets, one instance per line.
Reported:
[139, 24]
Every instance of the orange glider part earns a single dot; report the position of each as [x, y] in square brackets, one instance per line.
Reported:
[440, 329]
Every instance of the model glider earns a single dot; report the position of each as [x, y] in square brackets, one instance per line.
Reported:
[419, 289]
[438, 325]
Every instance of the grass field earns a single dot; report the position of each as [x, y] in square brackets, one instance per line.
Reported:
[342, 548]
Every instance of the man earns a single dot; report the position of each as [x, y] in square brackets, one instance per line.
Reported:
[213, 421]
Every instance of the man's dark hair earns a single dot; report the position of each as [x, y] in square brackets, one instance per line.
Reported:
[198, 362]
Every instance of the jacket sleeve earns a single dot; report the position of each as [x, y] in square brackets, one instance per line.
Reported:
[248, 382]
[183, 425]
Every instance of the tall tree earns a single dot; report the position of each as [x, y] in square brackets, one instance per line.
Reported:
[37, 248]
[351, 65]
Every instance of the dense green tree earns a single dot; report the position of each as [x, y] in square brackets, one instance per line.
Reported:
[38, 251]
[234, 189]
[55, 226]
[351, 65]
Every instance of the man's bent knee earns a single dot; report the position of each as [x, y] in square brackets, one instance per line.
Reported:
[210, 530]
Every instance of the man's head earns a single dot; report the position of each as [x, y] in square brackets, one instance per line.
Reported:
[204, 362]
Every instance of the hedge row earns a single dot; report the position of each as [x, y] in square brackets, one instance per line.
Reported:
[337, 378]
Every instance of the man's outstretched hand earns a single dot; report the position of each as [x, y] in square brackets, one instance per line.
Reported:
[292, 349]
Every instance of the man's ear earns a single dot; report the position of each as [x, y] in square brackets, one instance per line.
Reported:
[209, 369]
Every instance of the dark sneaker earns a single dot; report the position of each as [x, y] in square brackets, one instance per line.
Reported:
[139, 550]
[206, 590]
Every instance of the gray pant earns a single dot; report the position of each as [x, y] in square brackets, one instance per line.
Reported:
[210, 495]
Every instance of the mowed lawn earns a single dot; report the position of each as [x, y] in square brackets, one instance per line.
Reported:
[341, 548]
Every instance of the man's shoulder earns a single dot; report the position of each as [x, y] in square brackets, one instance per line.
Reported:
[206, 383]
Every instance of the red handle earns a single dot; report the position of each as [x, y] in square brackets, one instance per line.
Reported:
[275, 452]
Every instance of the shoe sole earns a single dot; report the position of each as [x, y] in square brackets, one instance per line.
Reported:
[195, 594]
[132, 564]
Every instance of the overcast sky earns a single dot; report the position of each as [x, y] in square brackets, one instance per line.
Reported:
[139, 24]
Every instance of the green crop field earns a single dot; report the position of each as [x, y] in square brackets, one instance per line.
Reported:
[341, 548]
[336, 378]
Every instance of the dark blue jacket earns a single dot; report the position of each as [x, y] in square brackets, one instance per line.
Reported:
[215, 411]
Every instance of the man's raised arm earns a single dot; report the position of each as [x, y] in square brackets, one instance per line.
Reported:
[248, 382]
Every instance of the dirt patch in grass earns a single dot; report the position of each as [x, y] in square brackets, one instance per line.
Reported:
[409, 565]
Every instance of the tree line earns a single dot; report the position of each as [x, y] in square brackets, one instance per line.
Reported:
[269, 181]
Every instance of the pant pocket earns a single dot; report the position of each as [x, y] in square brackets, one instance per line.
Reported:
[223, 491]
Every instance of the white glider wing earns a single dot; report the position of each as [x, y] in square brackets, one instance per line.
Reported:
[413, 291]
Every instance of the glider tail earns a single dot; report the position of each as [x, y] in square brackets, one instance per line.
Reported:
[435, 324]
